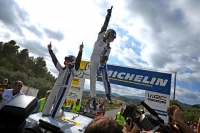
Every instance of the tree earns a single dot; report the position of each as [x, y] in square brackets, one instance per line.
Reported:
[23, 56]
[40, 68]
[17, 65]
[6, 64]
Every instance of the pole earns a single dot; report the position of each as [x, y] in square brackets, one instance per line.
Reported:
[174, 87]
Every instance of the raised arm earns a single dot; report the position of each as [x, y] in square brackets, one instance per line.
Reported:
[53, 57]
[105, 25]
[78, 59]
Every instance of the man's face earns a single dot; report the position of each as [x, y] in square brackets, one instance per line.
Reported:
[5, 81]
[67, 61]
[78, 101]
[47, 94]
[110, 39]
[18, 86]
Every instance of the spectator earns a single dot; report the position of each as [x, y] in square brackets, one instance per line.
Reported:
[100, 110]
[198, 126]
[10, 94]
[195, 127]
[76, 106]
[4, 86]
[120, 119]
[176, 116]
[42, 102]
[87, 107]
[103, 125]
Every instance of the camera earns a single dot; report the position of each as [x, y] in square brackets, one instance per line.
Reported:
[144, 121]
[14, 114]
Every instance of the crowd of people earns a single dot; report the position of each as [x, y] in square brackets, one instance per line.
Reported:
[103, 124]
[120, 125]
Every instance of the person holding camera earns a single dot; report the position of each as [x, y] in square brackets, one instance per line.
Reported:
[146, 124]
[176, 116]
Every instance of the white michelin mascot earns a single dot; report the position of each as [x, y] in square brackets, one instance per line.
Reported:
[63, 82]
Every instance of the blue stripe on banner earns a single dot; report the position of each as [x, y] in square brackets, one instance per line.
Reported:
[161, 112]
[61, 96]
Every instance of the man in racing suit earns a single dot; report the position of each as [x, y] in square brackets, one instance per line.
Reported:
[63, 82]
[99, 57]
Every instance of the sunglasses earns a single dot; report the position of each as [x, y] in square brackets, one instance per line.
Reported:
[5, 80]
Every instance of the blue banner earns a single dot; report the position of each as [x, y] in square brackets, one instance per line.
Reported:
[140, 79]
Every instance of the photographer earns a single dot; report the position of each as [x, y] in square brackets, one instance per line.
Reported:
[152, 123]
[176, 116]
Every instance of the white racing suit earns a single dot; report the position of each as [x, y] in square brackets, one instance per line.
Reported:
[61, 87]
[99, 55]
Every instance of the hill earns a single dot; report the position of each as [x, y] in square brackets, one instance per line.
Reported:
[132, 99]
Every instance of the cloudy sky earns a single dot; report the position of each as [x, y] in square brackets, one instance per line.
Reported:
[155, 35]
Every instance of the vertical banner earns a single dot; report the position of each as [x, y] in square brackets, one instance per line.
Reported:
[75, 91]
[158, 102]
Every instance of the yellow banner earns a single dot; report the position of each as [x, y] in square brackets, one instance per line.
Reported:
[75, 81]
[69, 102]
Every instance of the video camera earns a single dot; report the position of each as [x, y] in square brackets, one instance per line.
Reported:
[146, 122]
[13, 115]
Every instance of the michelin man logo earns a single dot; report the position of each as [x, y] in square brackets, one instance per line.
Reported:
[84, 70]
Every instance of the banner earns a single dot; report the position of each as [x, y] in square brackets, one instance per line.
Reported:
[130, 77]
[140, 79]
[29, 91]
[158, 102]
[84, 70]
[75, 91]
[156, 84]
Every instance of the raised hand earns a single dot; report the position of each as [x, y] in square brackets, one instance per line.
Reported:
[109, 11]
[81, 46]
[49, 46]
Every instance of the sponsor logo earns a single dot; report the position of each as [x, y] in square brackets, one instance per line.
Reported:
[74, 88]
[72, 95]
[84, 70]
[137, 79]
[156, 98]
